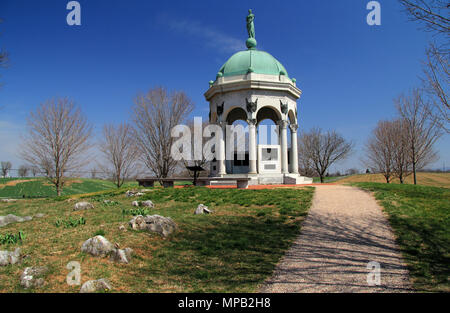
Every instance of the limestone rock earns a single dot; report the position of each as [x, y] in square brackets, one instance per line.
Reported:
[11, 218]
[39, 215]
[164, 226]
[148, 204]
[138, 223]
[122, 228]
[97, 246]
[135, 203]
[154, 223]
[83, 205]
[32, 276]
[202, 209]
[95, 286]
[8, 200]
[7, 257]
[133, 193]
[121, 255]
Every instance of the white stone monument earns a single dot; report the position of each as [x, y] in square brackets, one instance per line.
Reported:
[253, 86]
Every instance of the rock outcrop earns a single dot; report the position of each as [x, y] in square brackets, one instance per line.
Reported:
[83, 205]
[95, 286]
[202, 209]
[146, 203]
[8, 200]
[164, 226]
[134, 193]
[8, 257]
[32, 277]
[11, 218]
[97, 246]
[121, 255]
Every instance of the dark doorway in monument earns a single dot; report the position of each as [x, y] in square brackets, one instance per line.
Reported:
[239, 164]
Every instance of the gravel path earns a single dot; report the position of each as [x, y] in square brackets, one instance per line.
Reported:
[344, 231]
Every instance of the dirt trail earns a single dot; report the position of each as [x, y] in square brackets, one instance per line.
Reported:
[15, 182]
[344, 231]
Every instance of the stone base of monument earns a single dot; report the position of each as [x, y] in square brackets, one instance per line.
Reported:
[265, 179]
[296, 179]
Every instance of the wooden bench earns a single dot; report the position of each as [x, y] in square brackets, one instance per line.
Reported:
[242, 183]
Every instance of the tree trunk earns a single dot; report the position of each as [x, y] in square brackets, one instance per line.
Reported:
[321, 179]
[414, 173]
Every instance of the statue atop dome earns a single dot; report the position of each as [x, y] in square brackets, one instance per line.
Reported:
[250, 24]
[251, 41]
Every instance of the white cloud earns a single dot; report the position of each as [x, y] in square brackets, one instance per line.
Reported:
[210, 37]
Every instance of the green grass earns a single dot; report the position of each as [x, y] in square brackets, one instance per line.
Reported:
[232, 250]
[420, 218]
[40, 187]
[12, 238]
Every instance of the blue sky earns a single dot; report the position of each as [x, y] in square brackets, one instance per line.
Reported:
[349, 72]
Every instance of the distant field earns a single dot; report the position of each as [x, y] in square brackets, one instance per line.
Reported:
[425, 179]
[40, 187]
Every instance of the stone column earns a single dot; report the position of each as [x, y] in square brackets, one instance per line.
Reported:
[284, 147]
[252, 145]
[294, 149]
[221, 157]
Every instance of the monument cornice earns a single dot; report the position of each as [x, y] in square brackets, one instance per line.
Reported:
[252, 85]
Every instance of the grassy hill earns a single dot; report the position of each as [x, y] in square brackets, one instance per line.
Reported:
[425, 179]
[40, 187]
[233, 250]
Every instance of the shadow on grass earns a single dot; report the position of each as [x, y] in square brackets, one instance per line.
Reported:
[232, 254]
[420, 217]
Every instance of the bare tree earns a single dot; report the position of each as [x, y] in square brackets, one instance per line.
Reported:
[422, 129]
[119, 149]
[306, 168]
[34, 170]
[436, 82]
[5, 167]
[94, 173]
[323, 149]
[155, 114]
[203, 162]
[57, 140]
[380, 150]
[352, 171]
[401, 157]
[387, 150]
[22, 171]
[434, 16]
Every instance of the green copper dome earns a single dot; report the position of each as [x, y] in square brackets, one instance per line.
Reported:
[252, 60]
